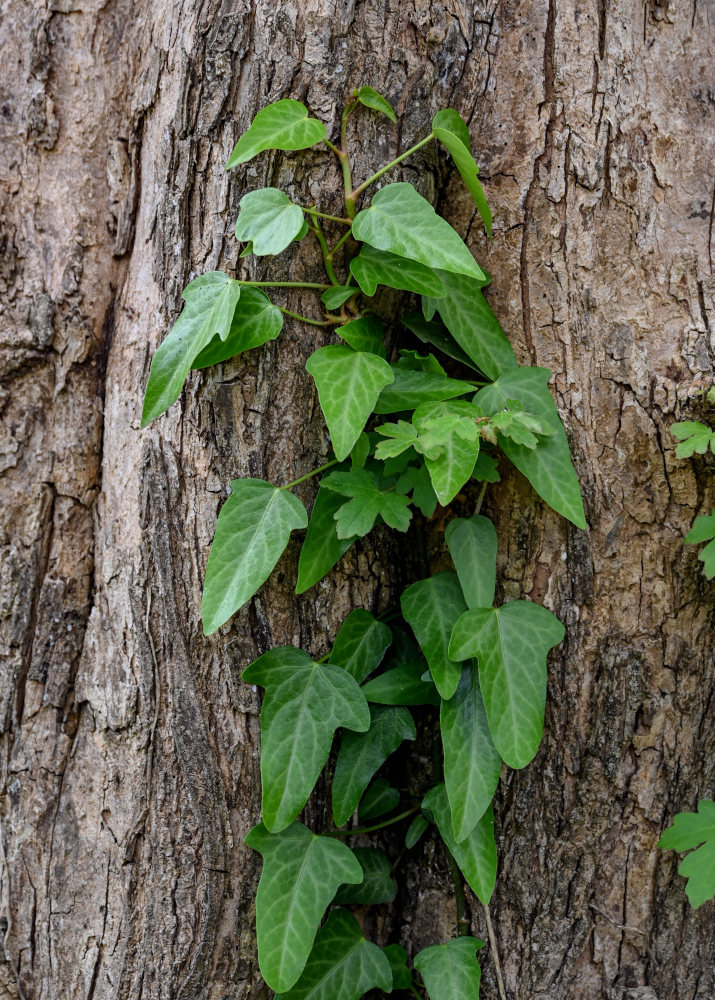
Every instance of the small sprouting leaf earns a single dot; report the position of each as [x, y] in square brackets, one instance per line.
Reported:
[361, 754]
[349, 383]
[485, 469]
[342, 964]
[434, 332]
[690, 830]
[694, 437]
[410, 388]
[703, 530]
[301, 873]
[400, 437]
[369, 502]
[416, 829]
[374, 267]
[269, 219]
[520, 427]
[371, 99]
[476, 855]
[376, 887]
[416, 479]
[402, 222]
[361, 644]
[401, 685]
[252, 531]
[366, 333]
[397, 957]
[449, 439]
[431, 607]
[472, 545]
[336, 295]
[283, 125]
[210, 304]
[322, 548]
[451, 971]
[305, 702]
[510, 643]
[453, 133]
[471, 762]
[380, 798]
[255, 321]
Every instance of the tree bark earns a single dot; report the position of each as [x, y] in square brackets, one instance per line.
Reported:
[129, 768]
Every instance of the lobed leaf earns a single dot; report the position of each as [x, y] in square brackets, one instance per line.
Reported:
[450, 441]
[687, 831]
[255, 321]
[703, 530]
[283, 125]
[401, 685]
[269, 220]
[416, 480]
[374, 267]
[694, 438]
[432, 607]
[451, 971]
[366, 333]
[368, 503]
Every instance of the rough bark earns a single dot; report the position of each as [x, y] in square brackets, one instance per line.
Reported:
[129, 748]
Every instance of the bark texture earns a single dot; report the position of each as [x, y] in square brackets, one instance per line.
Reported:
[128, 766]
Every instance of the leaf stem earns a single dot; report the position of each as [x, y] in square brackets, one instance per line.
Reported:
[388, 166]
[462, 923]
[416, 992]
[341, 241]
[307, 319]
[342, 154]
[330, 218]
[309, 475]
[377, 826]
[282, 284]
[480, 498]
[495, 954]
[324, 249]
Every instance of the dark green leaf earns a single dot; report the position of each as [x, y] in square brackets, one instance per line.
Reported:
[360, 451]
[334, 297]
[371, 99]
[416, 829]
[416, 479]
[283, 125]
[453, 133]
[379, 267]
[380, 798]
[472, 545]
[409, 389]
[689, 830]
[476, 855]
[376, 887]
[365, 333]
[417, 362]
[269, 219]
[369, 502]
[435, 332]
[485, 469]
[432, 606]
[451, 971]
[401, 685]
[397, 957]
[255, 321]
[361, 644]
[322, 548]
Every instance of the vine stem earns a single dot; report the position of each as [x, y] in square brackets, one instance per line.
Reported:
[324, 249]
[480, 498]
[495, 954]
[462, 923]
[330, 218]
[377, 826]
[307, 319]
[388, 166]
[282, 284]
[416, 991]
[309, 475]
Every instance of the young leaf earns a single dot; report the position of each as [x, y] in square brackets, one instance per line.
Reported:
[349, 383]
[434, 332]
[397, 957]
[476, 855]
[304, 704]
[252, 531]
[703, 530]
[472, 545]
[416, 479]
[547, 467]
[371, 99]
[431, 607]
[417, 827]
[451, 971]
[269, 220]
[380, 798]
[342, 964]
[410, 388]
[690, 830]
[361, 754]
[453, 133]
[376, 887]
[511, 643]
[485, 469]
[322, 548]
[283, 125]
[401, 685]
[361, 644]
[255, 321]
[210, 304]
[449, 440]
[402, 222]
[694, 437]
[365, 333]
[471, 762]
[400, 437]
[374, 267]
[336, 295]
[301, 873]
[369, 502]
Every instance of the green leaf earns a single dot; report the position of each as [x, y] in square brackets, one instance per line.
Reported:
[371, 99]
[416, 479]
[322, 548]
[252, 531]
[434, 332]
[693, 437]
[334, 297]
[397, 957]
[451, 971]
[690, 830]
[431, 607]
[349, 383]
[376, 887]
[417, 362]
[361, 754]
[471, 762]
[210, 304]
[476, 855]
[283, 125]
[485, 469]
[369, 502]
[469, 318]
[402, 222]
[374, 267]
[361, 644]
[255, 321]
[511, 644]
[416, 829]
[305, 702]
[401, 685]
[269, 220]
[453, 133]
[449, 439]
[410, 388]
[380, 798]
[703, 530]
[547, 467]
[365, 333]
[360, 451]
[342, 964]
[400, 437]
[472, 545]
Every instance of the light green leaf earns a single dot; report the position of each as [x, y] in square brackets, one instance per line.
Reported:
[360, 451]
[451, 971]
[371, 99]
[349, 383]
[453, 133]
[366, 333]
[401, 685]
[547, 467]
[322, 548]
[694, 437]
[402, 222]
[397, 957]
[361, 754]
[343, 965]
[361, 644]
[472, 545]
[471, 762]
[305, 702]
[434, 332]
[336, 295]
[476, 855]
[431, 607]
[703, 530]
[374, 267]
[255, 321]
[417, 362]
[301, 873]
[411, 388]
[369, 502]
[380, 798]
[416, 829]
[283, 125]
[511, 644]
[485, 469]
[269, 220]
[252, 531]
[376, 887]
[690, 830]
[400, 437]
[210, 304]
[416, 479]
[449, 439]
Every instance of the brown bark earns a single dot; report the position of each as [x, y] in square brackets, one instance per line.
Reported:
[129, 748]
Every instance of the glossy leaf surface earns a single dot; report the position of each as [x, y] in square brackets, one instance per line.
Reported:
[451, 971]
[336, 295]
[432, 607]
[379, 267]
[450, 442]
[269, 220]
[283, 125]
[411, 388]
[476, 855]
[360, 644]
[365, 333]
[434, 332]
[255, 321]
[472, 544]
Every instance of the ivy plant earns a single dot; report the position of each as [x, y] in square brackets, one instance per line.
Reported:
[409, 431]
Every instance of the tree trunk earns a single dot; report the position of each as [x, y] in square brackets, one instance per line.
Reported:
[129, 749]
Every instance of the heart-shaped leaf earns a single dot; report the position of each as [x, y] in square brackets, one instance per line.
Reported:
[472, 544]
[255, 321]
[336, 295]
[283, 125]
[371, 99]
[322, 548]
[453, 133]
[376, 887]
[410, 388]
[360, 644]
[451, 971]
[476, 855]
[432, 606]
[374, 267]
[366, 333]
[269, 219]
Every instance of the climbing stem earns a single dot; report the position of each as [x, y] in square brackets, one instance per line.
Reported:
[353, 196]
[330, 218]
[306, 319]
[377, 826]
[495, 954]
[309, 475]
[462, 922]
[324, 249]
[282, 284]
